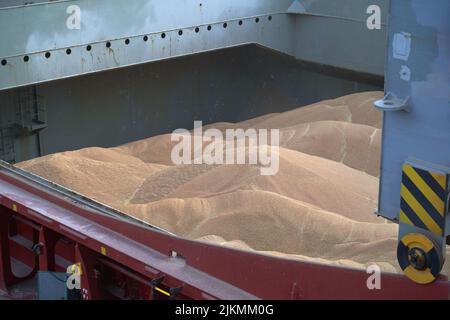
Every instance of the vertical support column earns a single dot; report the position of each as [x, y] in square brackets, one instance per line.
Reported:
[90, 277]
[6, 276]
[48, 239]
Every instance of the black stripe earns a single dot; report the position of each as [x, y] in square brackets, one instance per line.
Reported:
[432, 183]
[412, 215]
[426, 204]
[435, 264]
[402, 255]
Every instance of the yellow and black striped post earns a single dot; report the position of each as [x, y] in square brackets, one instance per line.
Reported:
[423, 199]
[423, 205]
[420, 258]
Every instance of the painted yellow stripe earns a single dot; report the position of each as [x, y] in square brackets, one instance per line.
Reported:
[412, 240]
[434, 199]
[421, 277]
[420, 211]
[441, 179]
[162, 291]
[76, 269]
[404, 218]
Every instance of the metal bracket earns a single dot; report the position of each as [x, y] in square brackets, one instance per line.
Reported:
[296, 8]
[157, 281]
[38, 249]
[391, 103]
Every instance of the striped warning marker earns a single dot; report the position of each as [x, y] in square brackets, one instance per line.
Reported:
[423, 199]
[420, 258]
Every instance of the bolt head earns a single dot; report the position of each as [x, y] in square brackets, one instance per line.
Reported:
[417, 258]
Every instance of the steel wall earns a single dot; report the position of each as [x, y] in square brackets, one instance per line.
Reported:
[110, 108]
[423, 132]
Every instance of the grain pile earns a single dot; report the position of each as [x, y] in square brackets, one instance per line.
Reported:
[319, 207]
